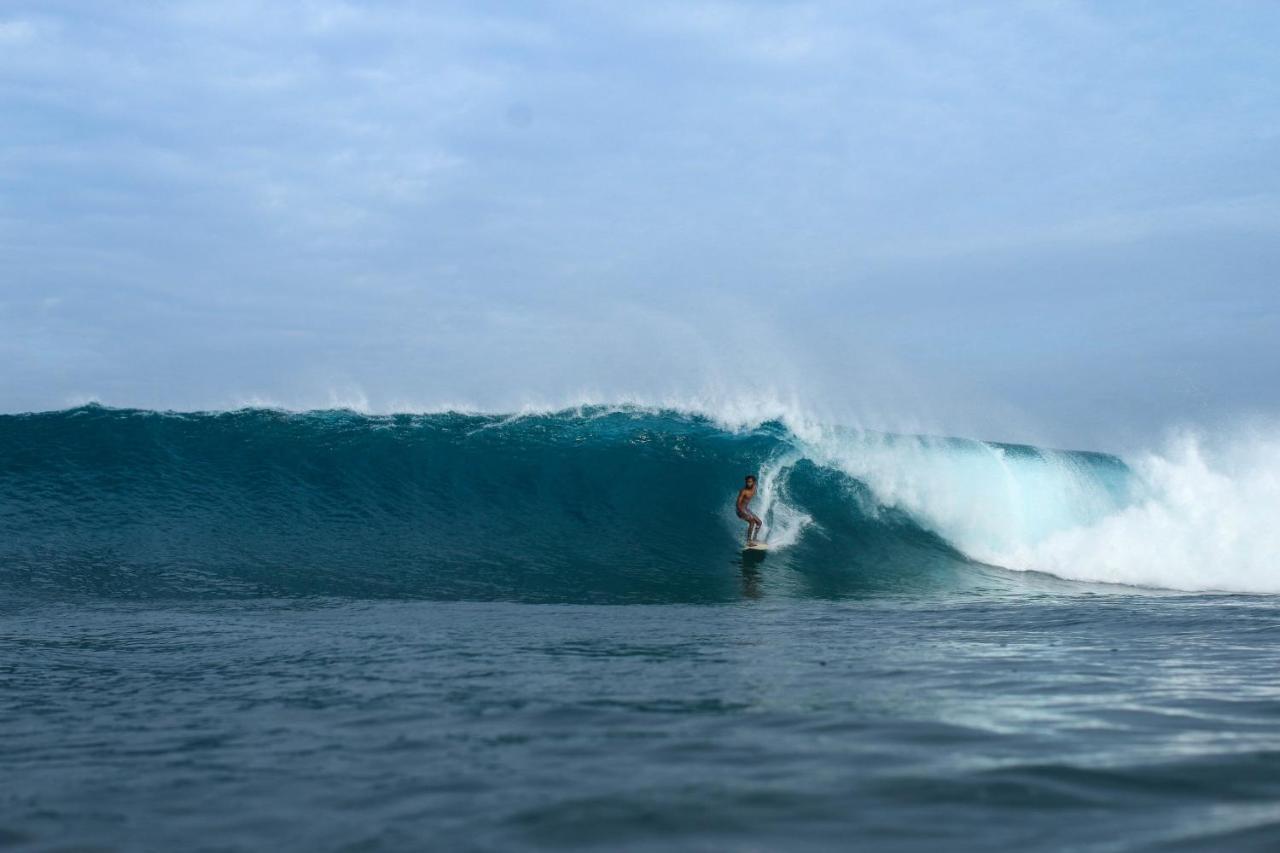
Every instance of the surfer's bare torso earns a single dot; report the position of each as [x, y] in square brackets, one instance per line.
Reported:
[744, 509]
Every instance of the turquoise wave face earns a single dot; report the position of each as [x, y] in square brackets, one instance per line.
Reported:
[597, 505]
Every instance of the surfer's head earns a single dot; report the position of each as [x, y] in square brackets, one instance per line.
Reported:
[751, 480]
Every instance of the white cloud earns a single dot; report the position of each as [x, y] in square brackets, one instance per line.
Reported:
[17, 32]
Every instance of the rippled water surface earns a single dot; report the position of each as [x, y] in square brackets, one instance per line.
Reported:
[1015, 720]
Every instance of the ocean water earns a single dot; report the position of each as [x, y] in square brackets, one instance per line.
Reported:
[332, 631]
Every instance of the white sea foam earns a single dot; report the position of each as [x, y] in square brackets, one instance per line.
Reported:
[981, 497]
[782, 522]
[1207, 518]
[1200, 515]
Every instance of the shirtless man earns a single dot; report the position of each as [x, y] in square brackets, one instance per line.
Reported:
[744, 509]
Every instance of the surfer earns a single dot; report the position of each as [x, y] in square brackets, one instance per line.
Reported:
[744, 509]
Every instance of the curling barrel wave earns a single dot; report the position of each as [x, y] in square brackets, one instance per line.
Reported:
[589, 505]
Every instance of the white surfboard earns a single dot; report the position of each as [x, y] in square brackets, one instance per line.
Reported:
[758, 546]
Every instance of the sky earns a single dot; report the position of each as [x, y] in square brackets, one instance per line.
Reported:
[1054, 222]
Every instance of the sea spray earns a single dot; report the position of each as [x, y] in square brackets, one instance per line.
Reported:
[1204, 517]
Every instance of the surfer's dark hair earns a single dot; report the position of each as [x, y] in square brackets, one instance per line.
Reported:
[749, 477]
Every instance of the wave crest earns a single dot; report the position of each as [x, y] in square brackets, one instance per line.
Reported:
[605, 503]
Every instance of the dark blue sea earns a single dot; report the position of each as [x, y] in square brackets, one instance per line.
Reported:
[262, 630]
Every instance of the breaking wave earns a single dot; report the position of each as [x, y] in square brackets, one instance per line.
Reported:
[599, 504]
